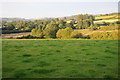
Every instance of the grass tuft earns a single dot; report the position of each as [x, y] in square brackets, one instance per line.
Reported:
[58, 51]
[43, 71]
[26, 55]
[19, 74]
[101, 65]
[43, 64]
[27, 61]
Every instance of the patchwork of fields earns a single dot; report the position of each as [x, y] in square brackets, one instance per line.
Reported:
[108, 18]
[60, 58]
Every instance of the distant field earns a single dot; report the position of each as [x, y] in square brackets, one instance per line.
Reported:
[60, 58]
[106, 17]
[89, 32]
[110, 20]
[14, 35]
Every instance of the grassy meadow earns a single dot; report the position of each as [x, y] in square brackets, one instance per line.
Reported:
[60, 58]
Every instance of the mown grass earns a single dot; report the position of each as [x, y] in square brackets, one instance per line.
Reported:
[60, 58]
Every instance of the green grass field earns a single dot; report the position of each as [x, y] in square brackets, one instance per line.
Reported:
[60, 58]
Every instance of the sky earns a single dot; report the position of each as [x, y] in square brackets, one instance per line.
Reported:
[55, 8]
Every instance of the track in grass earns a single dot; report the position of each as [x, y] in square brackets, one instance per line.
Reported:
[60, 58]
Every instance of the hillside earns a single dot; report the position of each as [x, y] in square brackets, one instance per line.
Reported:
[15, 19]
[106, 18]
[76, 26]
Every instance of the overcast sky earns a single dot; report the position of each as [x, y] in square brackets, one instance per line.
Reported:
[55, 8]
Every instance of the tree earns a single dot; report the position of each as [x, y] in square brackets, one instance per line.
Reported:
[64, 33]
[20, 24]
[33, 32]
[9, 26]
[56, 19]
[79, 17]
[86, 24]
[64, 18]
[84, 21]
[59, 33]
[76, 34]
[50, 30]
[37, 33]
[69, 25]
[95, 26]
[61, 26]
[80, 24]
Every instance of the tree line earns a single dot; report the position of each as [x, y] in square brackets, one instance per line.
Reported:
[54, 27]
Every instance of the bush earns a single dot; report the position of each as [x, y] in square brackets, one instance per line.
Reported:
[59, 33]
[37, 33]
[64, 33]
[51, 30]
[76, 34]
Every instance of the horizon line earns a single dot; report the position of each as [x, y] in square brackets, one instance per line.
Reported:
[61, 16]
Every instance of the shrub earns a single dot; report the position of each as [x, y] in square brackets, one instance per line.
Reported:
[51, 30]
[37, 33]
[76, 34]
[64, 33]
[59, 33]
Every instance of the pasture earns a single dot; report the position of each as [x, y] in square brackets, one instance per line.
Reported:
[107, 17]
[110, 20]
[60, 58]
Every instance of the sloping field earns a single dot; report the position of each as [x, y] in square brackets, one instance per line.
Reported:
[110, 20]
[107, 17]
[60, 58]
[86, 32]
